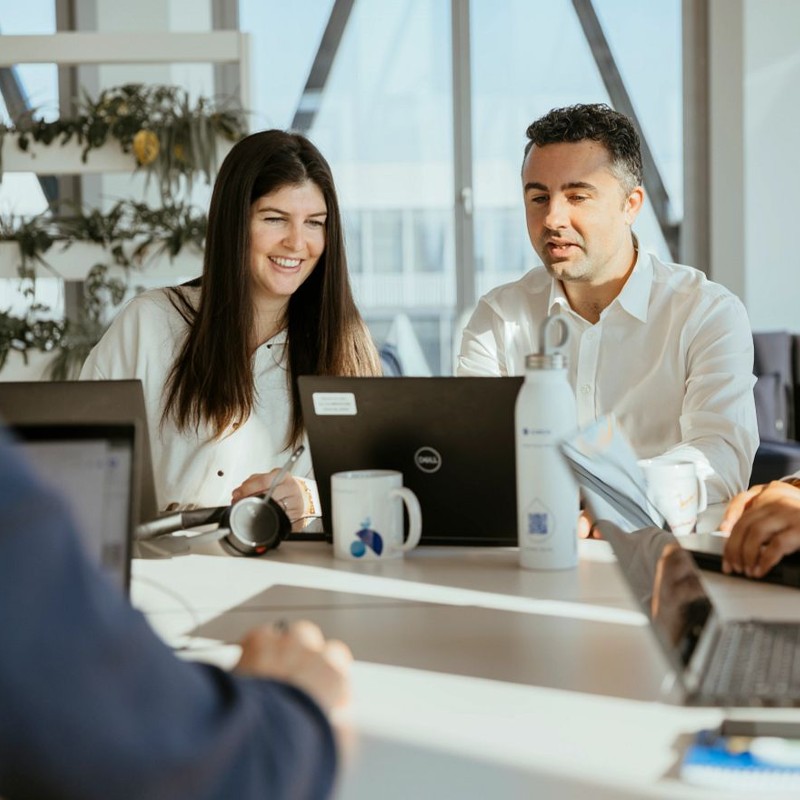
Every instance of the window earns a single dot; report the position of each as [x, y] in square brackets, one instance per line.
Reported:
[383, 120]
[528, 58]
[32, 86]
[36, 85]
[374, 92]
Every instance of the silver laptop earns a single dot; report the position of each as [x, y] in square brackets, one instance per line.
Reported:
[612, 486]
[86, 403]
[452, 438]
[95, 469]
[715, 662]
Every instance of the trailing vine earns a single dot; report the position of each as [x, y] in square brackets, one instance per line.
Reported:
[171, 138]
[131, 232]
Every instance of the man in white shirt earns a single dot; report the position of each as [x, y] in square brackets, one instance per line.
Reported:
[666, 350]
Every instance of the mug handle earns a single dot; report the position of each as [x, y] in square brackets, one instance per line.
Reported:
[702, 497]
[414, 517]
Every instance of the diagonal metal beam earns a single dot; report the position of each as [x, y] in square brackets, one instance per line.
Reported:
[311, 98]
[17, 104]
[620, 100]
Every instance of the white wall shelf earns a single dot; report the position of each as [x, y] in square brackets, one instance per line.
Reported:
[86, 48]
[158, 47]
[101, 48]
[58, 159]
[74, 262]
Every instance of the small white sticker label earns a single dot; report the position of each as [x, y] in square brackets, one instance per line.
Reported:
[334, 404]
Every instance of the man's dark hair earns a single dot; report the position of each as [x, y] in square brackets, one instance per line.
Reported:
[598, 123]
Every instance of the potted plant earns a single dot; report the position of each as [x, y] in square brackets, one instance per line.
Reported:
[130, 236]
[169, 137]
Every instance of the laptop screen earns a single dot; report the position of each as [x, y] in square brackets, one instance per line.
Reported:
[452, 438]
[667, 586]
[30, 403]
[94, 468]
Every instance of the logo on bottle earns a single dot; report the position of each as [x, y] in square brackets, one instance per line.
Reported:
[540, 520]
[428, 459]
[367, 538]
[536, 431]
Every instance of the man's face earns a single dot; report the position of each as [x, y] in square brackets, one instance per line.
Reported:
[578, 213]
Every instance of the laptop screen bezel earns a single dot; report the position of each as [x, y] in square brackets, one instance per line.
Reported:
[115, 432]
[100, 402]
[690, 670]
[359, 436]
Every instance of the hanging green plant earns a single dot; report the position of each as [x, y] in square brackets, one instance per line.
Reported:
[170, 137]
[23, 334]
[131, 232]
[79, 336]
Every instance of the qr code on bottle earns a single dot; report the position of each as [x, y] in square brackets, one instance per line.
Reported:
[537, 523]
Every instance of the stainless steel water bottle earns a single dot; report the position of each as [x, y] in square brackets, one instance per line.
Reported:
[547, 493]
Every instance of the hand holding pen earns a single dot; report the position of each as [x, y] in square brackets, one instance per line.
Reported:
[287, 491]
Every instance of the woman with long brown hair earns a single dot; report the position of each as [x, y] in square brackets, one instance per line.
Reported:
[219, 357]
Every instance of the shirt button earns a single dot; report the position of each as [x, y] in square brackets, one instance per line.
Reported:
[590, 335]
[220, 473]
[585, 389]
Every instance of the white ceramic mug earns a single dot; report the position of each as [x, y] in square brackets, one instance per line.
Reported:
[367, 511]
[676, 490]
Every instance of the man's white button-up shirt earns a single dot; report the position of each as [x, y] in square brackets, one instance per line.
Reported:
[671, 357]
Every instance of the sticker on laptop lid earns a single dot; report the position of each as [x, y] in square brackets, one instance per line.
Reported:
[334, 404]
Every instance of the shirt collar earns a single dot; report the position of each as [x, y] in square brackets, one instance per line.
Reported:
[557, 297]
[634, 297]
[635, 294]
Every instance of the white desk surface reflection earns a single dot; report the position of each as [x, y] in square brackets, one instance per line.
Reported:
[473, 678]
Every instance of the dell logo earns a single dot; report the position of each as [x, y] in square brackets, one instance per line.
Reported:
[427, 459]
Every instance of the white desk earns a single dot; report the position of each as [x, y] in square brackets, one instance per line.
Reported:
[473, 678]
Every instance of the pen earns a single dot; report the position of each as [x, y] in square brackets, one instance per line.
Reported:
[286, 468]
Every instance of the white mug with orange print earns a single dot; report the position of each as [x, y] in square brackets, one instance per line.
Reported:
[676, 490]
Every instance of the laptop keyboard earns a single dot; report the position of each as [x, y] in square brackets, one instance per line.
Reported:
[755, 663]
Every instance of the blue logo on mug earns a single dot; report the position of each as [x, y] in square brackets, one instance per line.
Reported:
[367, 538]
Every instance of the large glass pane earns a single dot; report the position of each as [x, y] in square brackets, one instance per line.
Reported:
[656, 93]
[37, 85]
[384, 121]
[21, 195]
[530, 57]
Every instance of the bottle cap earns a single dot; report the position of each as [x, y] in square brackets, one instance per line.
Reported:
[546, 361]
[550, 356]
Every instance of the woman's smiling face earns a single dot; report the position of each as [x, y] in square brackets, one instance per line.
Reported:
[287, 238]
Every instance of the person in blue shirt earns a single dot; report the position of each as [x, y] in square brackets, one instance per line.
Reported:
[94, 705]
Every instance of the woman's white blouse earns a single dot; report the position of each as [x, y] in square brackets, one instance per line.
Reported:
[192, 468]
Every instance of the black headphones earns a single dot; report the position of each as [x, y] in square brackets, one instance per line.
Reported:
[249, 527]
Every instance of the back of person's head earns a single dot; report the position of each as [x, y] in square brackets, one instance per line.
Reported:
[595, 122]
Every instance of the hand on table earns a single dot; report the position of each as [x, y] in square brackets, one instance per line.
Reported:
[288, 494]
[764, 525]
[737, 506]
[300, 655]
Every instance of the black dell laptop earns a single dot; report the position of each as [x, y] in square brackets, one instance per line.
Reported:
[452, 438]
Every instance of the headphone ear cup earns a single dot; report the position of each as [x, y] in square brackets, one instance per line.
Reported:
[255, 527]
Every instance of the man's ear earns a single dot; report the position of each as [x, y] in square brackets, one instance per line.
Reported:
[633, 204]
